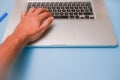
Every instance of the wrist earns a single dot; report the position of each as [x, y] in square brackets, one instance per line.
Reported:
[14, 42]
[20, 37]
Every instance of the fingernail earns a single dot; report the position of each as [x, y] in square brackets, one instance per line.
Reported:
[52, 18]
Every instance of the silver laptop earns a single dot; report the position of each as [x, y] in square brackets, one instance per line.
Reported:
[78, 23]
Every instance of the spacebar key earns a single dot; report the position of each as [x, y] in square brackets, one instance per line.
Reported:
[61, 17]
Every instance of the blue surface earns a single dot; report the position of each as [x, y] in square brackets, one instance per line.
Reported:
[68, 63]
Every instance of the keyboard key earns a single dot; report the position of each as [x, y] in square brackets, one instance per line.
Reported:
[87, 17]
[77, 17]
[72, 17]
[91, 17]
[61, 17]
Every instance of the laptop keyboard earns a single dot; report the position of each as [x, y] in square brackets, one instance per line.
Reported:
[66, 10]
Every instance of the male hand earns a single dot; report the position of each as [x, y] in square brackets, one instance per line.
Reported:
[33, 24]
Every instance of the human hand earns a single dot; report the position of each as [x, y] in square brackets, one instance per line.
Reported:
[33, 24]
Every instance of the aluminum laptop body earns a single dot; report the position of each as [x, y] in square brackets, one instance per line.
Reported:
[97, 32]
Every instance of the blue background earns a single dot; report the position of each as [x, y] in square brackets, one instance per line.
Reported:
[67, 63]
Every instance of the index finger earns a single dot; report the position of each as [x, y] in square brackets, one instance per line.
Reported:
[44, 16]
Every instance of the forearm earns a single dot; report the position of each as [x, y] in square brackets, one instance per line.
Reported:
[9, 51]
[31, 27]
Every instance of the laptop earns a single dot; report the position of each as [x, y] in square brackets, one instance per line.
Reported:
[78, 23]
